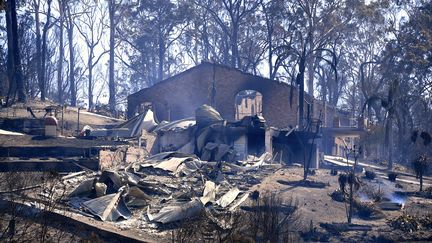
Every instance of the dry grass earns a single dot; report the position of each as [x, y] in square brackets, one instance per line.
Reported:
[270, 218]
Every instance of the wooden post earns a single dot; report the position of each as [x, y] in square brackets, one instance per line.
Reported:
[61, 130]
[78, 123]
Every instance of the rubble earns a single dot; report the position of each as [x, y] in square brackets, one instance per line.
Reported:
[370, 175]
[428, 192]
[410, 223]
[171, 214]
[178, 170]
[209, 193]
[173, 186]
[207, 115]
[172, 182]
[108, 208]
[392, 176]
[210, 137]
[131, 128]
[228, 198]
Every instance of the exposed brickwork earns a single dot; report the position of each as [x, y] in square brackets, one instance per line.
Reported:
[178, 97]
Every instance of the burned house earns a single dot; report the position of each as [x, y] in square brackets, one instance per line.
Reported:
[239, 96]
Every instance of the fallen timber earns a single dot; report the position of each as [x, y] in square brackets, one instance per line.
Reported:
[59, 219]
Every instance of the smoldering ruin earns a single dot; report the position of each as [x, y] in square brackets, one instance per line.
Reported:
[210, 154]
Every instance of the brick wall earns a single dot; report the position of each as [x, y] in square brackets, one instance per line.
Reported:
[247, 105]
[178, 96]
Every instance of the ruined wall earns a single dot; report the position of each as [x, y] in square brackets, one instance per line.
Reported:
[178, 97]
[248, 105]
[328, 113]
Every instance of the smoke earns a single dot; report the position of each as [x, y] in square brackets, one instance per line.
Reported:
[364, 197]
[396, 198]
[390, 192]
[381, 190]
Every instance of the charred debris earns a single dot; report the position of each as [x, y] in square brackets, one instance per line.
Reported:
[193, 165]
[158, 173]
[203, 170]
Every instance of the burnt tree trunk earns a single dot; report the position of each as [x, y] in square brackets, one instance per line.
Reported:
[111, 81]
[300, 82]
[42, 67]
[161, 56]
[235, 59]
[38, 41]
[14, 59]
[311, 73]
[70, 33]
[60, 94]
[388, 143]
[90, 79]
[206, 48]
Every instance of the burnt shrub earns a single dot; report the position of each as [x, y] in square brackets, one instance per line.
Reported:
[367, 210]
[370, 175]
[421, 166]
[269, 218]
[337, 195]
[392, 176]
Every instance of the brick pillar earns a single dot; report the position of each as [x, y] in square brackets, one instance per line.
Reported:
[241, 146]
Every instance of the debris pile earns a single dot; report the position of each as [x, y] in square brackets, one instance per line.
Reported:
[165, 188]
[210, 137]
[410, 223]
[192, 166]
[428, 192]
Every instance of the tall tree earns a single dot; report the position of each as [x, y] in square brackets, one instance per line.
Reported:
[41, 44]
[150, 31]
[14, 59]
[113, 7]
[60, 88]
[273, 16]
[91, 27]
[236, 11]
[316, 23]
[4, 86]
[70, 16]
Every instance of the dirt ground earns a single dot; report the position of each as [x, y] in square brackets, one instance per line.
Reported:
[317, 207]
